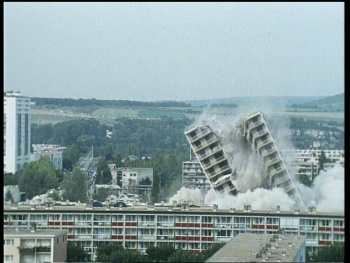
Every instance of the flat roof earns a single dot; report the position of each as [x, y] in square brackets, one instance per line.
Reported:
[38, 232]
[167, 208]
[248, 247]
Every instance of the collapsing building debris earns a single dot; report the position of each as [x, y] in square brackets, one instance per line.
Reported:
[207, 146]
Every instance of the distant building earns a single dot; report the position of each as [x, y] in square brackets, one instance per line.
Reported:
[14, 191]
[194, 177]
[109, 133]
[134, 180]
[16, 131]
[249, 247]
[55, 152]
[35, 245]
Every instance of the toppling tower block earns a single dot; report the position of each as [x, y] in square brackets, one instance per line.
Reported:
[213, 160]
[257, 133]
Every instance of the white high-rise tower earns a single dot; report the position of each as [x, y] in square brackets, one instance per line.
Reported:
[16, 131]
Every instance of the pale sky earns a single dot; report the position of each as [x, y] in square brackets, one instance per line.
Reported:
[173, 51]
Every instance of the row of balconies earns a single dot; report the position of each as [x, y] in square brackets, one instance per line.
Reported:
[204, 143]
[199, 134]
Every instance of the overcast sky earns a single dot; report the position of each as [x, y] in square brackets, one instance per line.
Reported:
[173, 51]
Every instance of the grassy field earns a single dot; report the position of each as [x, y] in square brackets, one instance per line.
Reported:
[117, 112]
[47, 118]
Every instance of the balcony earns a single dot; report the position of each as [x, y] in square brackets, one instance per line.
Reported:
[268, 152]
[209, 153]
[263, 143]
[255, 124]
[276, 171]
[147, 223]
[199, 134]
[205, 143]
[259, 134]
[146, 237]
[214, 162]
[279, 181]
[272, 161]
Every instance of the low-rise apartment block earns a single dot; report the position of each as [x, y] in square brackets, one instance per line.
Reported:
[54, 152]
[35, 245]
[189, 228]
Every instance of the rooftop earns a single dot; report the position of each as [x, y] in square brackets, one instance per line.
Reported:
[248, 247]
[208, 209]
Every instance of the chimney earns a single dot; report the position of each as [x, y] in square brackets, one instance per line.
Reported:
[278, 208]
[313, 209]
[215, 207]
[174, 203]
[233, 209]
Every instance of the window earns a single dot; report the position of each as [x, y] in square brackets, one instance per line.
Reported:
[8, 242]
[8, 258]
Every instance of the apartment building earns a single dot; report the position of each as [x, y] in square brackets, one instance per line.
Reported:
[247, 247]
[54, 152]
[256, 131]
[212, 158]
[35, 245]
[189, 228]
[133, 180]
[194, 177]
[16, 131]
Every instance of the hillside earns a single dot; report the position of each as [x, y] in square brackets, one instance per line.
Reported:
[335, 102]
[273, 101]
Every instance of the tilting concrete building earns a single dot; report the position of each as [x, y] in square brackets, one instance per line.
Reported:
[213, 160]
[257, 133]
[208, 148]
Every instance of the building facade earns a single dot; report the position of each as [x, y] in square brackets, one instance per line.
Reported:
[194, 177]
[257, 133]
[41, 246]
[189, 228]
[54, 152]
[212, 158]
[16, 131]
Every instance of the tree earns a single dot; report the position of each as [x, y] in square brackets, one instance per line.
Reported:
[75, 185]
[37, 177]
[159, 254]
[304, 179]
[322, 160]
[118, 160]
[155, 189]
[115, 253]
[10, 179]
[185, 256]
[104, 175]
[334, 253]
[70, 156]
[146, 181]
[75, 253]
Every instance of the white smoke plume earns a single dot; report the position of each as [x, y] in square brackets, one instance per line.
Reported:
[259, 199]
[194, 196]
[327, 191]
